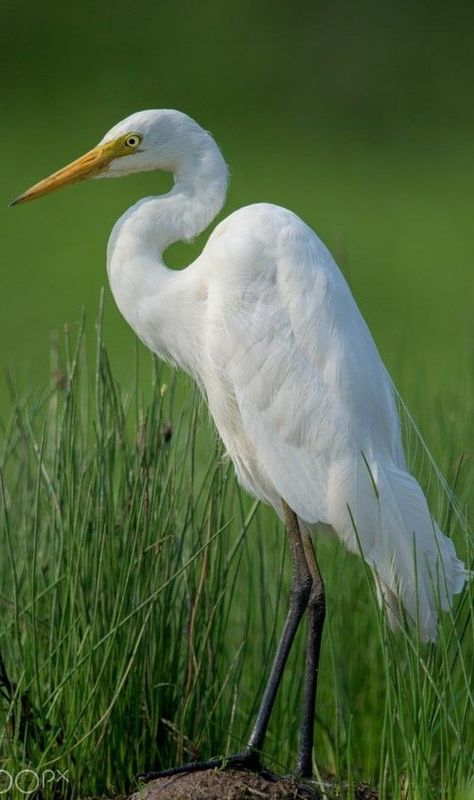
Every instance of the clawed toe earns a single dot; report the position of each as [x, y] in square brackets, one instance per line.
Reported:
[247, 760]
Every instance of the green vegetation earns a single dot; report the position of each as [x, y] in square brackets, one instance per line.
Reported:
[142, 596]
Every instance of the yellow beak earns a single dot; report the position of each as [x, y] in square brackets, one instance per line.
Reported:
[87, 166]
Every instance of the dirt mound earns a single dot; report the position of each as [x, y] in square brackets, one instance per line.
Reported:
[238, 785]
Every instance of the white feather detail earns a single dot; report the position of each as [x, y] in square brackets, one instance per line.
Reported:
[387, 520]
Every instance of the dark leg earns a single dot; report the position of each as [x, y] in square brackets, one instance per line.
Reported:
[299, 596]
[300, 593]
[316, 615]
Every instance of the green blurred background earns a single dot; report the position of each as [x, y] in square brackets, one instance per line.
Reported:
[358, 116]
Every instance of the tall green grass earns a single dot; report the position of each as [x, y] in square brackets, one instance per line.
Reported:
[142, 595]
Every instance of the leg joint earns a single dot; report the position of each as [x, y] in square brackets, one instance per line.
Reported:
[301, 589]
[317, 598]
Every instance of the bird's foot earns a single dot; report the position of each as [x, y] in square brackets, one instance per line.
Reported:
[247, 760]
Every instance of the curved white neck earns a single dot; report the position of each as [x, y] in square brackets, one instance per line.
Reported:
[135, 263]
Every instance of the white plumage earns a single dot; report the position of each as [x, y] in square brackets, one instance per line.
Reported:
[306, 410]
[265, 323]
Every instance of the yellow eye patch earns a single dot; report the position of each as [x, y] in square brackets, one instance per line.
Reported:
[125, 145]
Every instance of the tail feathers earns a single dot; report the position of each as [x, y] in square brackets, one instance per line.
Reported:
[414, 563]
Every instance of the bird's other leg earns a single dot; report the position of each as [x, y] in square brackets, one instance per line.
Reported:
[316, 616]
[301, 583]
[299, 595]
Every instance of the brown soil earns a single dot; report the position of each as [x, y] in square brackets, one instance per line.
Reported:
[239, 785]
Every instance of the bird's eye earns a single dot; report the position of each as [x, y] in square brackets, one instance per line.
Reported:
[133, 140]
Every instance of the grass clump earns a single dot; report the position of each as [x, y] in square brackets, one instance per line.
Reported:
[142, 596]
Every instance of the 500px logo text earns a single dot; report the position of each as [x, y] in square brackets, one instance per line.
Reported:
[27, 781]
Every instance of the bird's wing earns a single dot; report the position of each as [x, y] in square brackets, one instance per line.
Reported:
[294, 356]
[306, 409]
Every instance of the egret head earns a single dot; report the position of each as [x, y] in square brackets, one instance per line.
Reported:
[147, 140]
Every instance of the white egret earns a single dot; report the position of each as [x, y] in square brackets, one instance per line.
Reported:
[266, 325]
